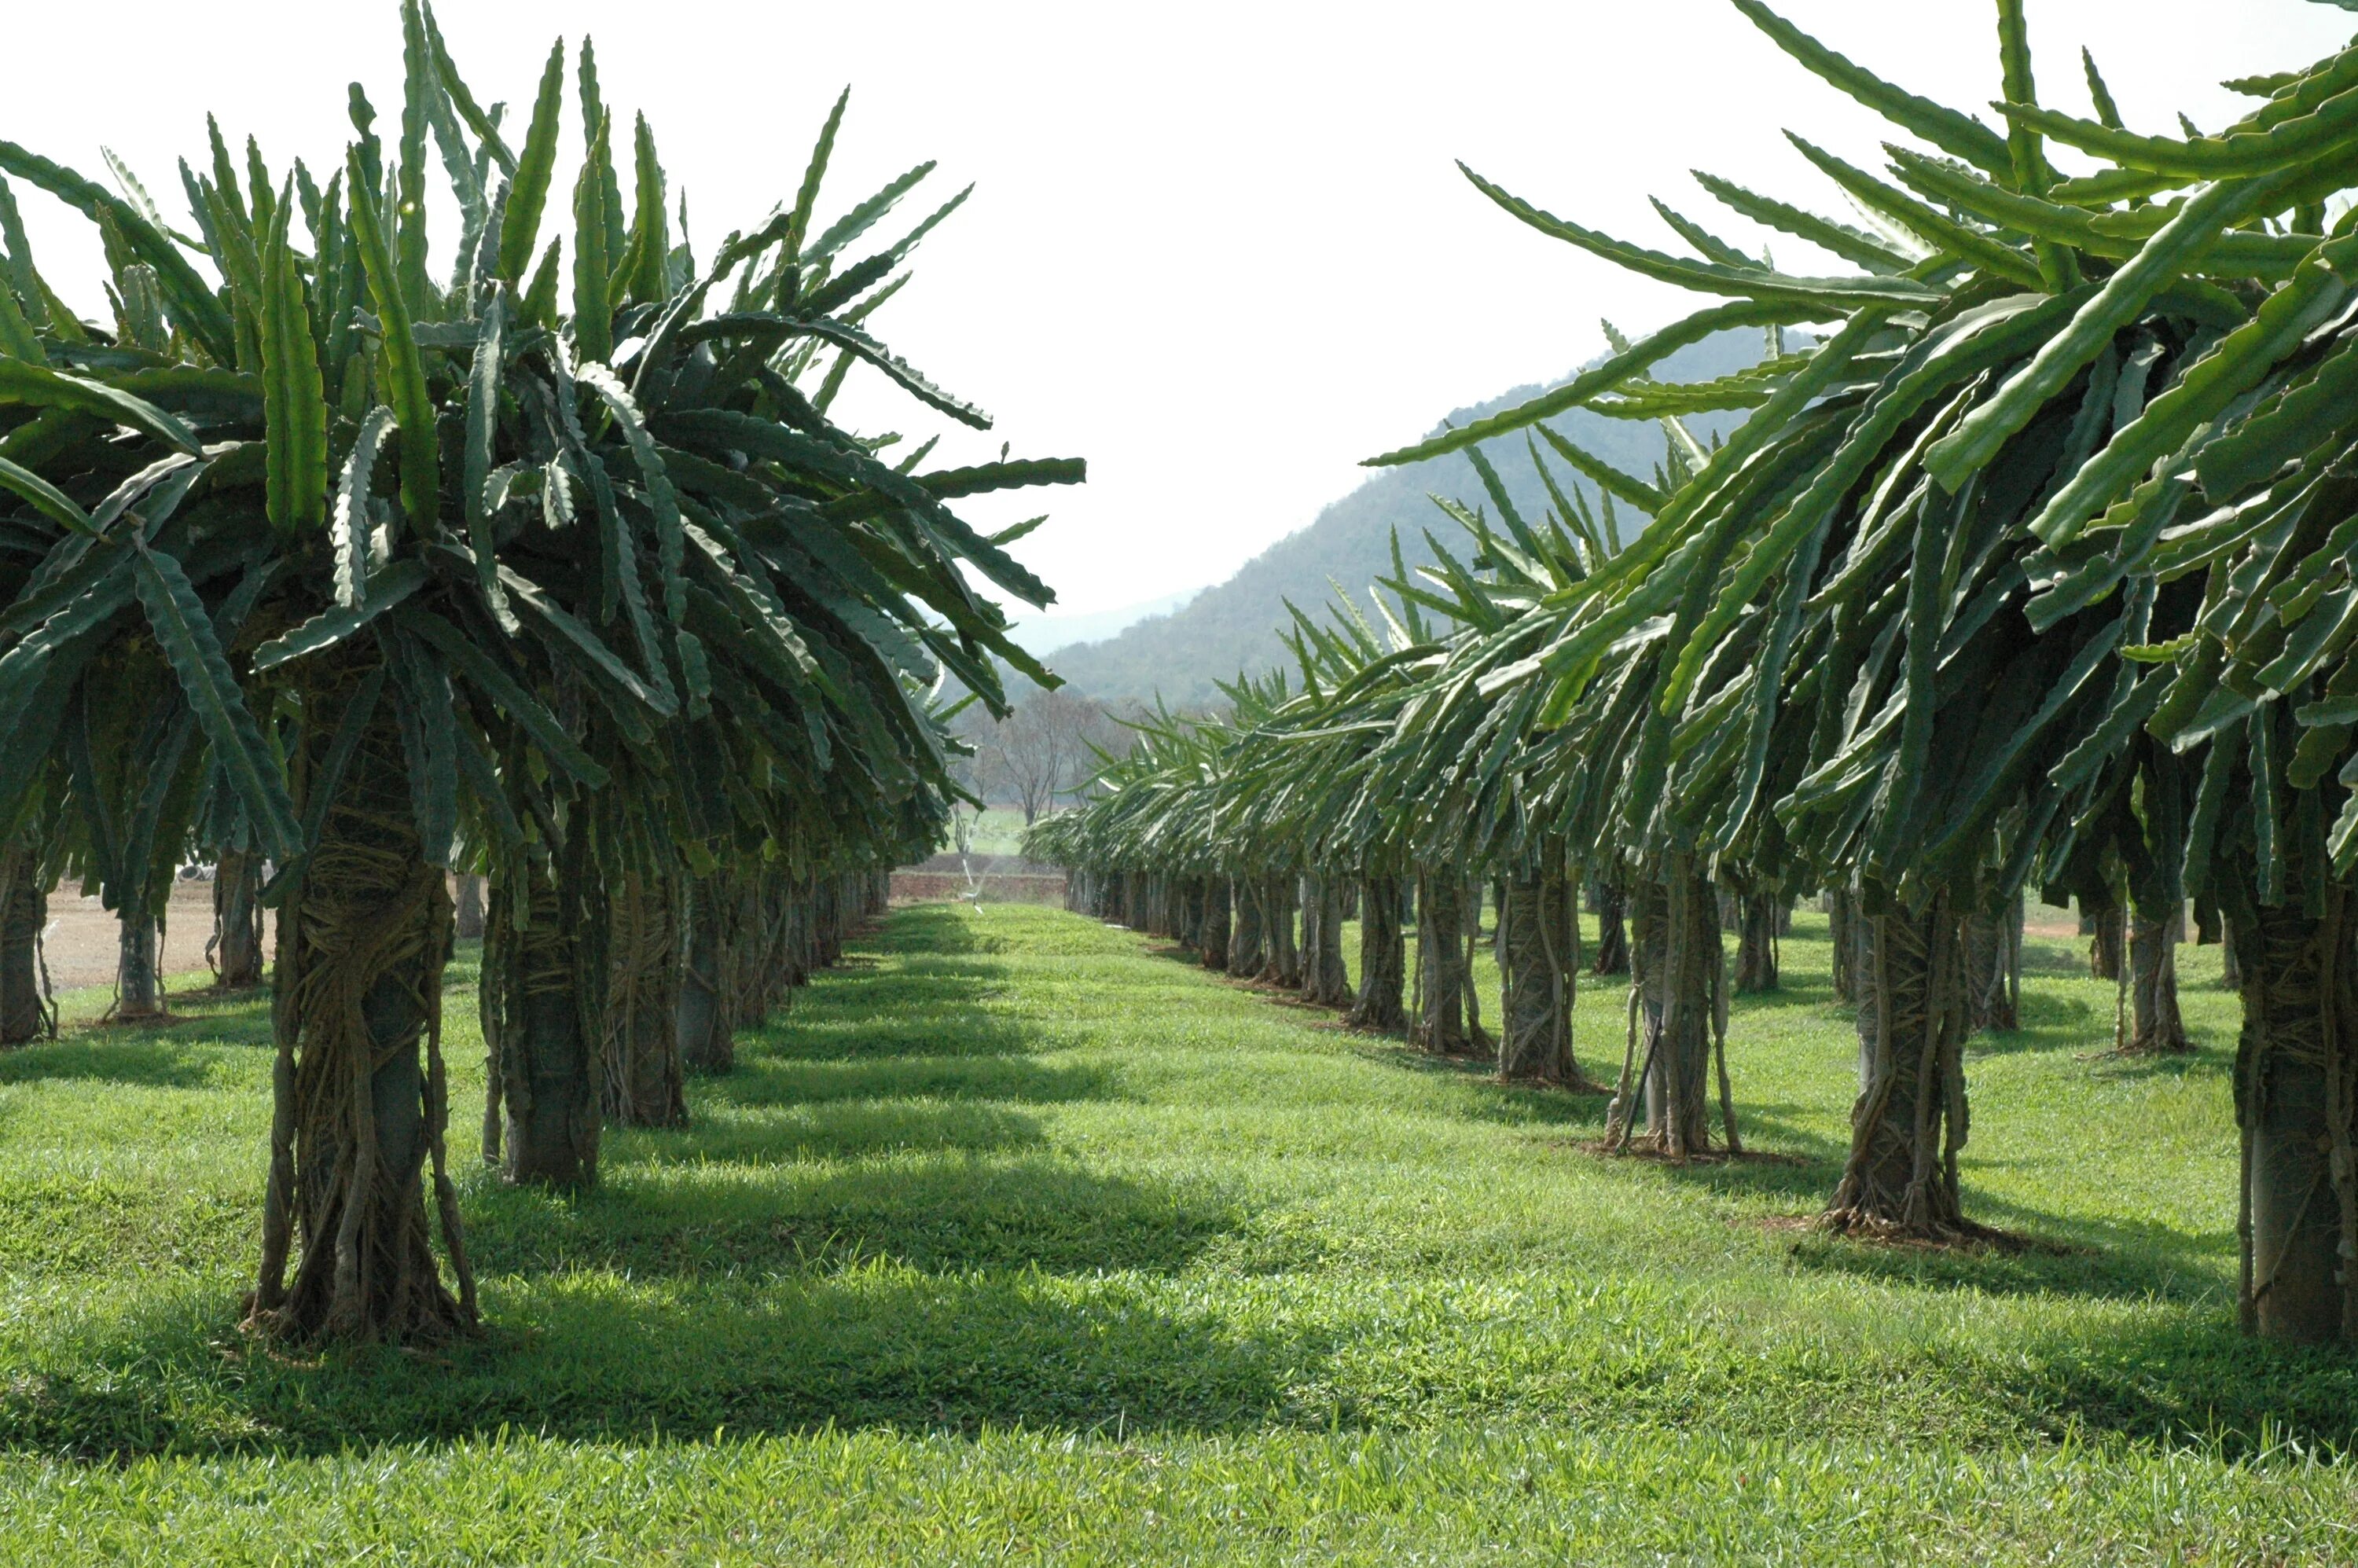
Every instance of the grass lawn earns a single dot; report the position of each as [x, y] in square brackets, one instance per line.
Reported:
[998, 831]
[1017, 1238]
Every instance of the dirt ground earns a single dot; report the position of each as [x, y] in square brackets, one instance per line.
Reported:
[932, 887]
[80, 941]
[2046, 920]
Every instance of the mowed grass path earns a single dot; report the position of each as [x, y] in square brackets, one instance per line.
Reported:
[1018, 1238]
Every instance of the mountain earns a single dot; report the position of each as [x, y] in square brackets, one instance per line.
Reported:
[1233, 627]
[1058, 628]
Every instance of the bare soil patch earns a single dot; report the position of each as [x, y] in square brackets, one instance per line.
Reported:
[1596, 1146]
[79, 942]
[996, 887]
[1973, 1238]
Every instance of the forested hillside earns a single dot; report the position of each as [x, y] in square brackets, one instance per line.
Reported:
[1233, 626]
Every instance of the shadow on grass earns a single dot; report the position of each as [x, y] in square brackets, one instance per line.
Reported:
[2198, 1381]
[929, 1008]
[1522, 1104]
[768, 1082]
[2098, 1259]
[604, 1358]
[1791, 990]
[867, 1225]
[2111, 1262]
[1578, 1112]
[2108, 1261]
[1796, 1171]
[178, 1055]
[957, 1281]
[2204, 1062]
[2049, 1022]
[927, 928]
[973, 1195]
[2054, 960]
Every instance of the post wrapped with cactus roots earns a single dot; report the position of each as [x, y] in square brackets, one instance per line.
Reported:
[471, 906]
[359, 1098]
[1213, 945]
[1540, 939]
[707, 1044]
[2297, 1105]
[2107, 928]
[756, 974]
[25, 1012]
[138, 970]
[1679, 973]
[1281, 948]
[1326, 978]
[1910, 1119]
[1841, 937]
[2156, 1025]
[237, 920]
[541, 949]
[1383, 957]
[1610, 904]
[1756, 956]
[1994, 967]
[1248, 929]
[1447, 1020]
[639, 1030]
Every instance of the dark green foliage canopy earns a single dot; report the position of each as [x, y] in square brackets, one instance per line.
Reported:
[565, 500]
[2031, 518]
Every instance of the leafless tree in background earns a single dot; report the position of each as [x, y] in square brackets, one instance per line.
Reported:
[1043, 751]
[1032, 755]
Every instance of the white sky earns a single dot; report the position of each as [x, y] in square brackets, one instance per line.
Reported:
[1220, 250]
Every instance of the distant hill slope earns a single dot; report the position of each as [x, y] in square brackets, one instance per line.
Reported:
[1045, 633]
[1232, 627]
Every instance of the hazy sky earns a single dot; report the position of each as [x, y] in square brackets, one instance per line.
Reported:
[1219, 250]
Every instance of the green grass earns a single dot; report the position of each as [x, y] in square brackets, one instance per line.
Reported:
[1018, 1239]
[998, 831]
